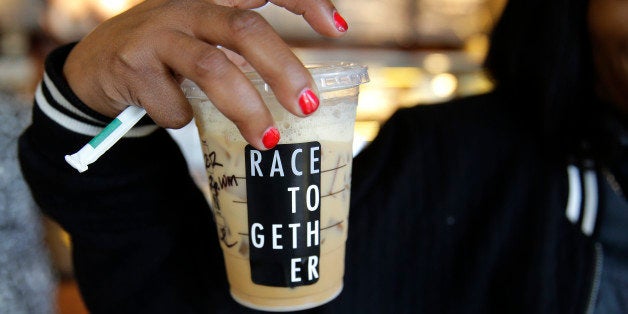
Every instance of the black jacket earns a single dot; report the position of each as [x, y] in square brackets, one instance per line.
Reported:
[455, 209]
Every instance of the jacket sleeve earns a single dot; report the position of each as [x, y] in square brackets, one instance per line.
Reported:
[128, 176]
[142, 233]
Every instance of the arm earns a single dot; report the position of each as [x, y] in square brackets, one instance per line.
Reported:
[153, 45]
[142, 234]
[126, 215]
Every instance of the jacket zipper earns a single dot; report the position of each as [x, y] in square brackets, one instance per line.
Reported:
[597, 274]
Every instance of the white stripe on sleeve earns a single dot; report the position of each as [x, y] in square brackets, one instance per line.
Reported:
[574, 199]
[78, 126]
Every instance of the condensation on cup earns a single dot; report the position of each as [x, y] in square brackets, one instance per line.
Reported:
[281, 214]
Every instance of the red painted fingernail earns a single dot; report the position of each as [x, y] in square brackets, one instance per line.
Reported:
[340, 23]
[271, 137]
[308, 101]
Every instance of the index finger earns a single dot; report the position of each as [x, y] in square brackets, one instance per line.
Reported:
[320, 14]
[224, 84]
[248, 34]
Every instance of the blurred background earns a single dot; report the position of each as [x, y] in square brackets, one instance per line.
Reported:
[418, 52]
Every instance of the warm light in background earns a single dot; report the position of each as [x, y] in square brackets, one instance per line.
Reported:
[444, 85]
[70, 20]
[437, 63]
[400, 77]
[72, 9]
[109, 8]
[477, 47]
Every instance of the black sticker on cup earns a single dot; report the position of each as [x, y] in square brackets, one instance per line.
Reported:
[283, 199]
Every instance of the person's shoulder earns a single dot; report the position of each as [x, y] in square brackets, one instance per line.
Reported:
[482, 115]
[465, 108]
[438, 127]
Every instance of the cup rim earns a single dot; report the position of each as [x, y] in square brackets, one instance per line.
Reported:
[327, 77]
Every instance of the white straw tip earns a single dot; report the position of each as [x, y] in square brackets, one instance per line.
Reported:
[76, 163]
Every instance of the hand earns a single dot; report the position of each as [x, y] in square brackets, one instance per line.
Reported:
[139, 57]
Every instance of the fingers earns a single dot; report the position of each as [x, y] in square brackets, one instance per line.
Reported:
[161, 96]
[248, 34]
[241, 4]
[237, 59]
[320, 14]
[148, 48]
[212, 71]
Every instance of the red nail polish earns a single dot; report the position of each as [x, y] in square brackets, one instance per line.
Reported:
[340, 23]
[271, 137]
[308, 101]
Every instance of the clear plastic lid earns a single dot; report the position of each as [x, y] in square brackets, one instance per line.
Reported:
[328, 77]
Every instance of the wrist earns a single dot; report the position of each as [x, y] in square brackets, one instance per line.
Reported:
[55, 73]
[83, 84]
[57, 101]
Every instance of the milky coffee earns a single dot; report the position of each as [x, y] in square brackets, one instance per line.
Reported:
[282, 214]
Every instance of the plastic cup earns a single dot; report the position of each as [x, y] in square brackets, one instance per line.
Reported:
[282, 214]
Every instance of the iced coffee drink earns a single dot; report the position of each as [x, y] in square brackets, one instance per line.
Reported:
[281, 214]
